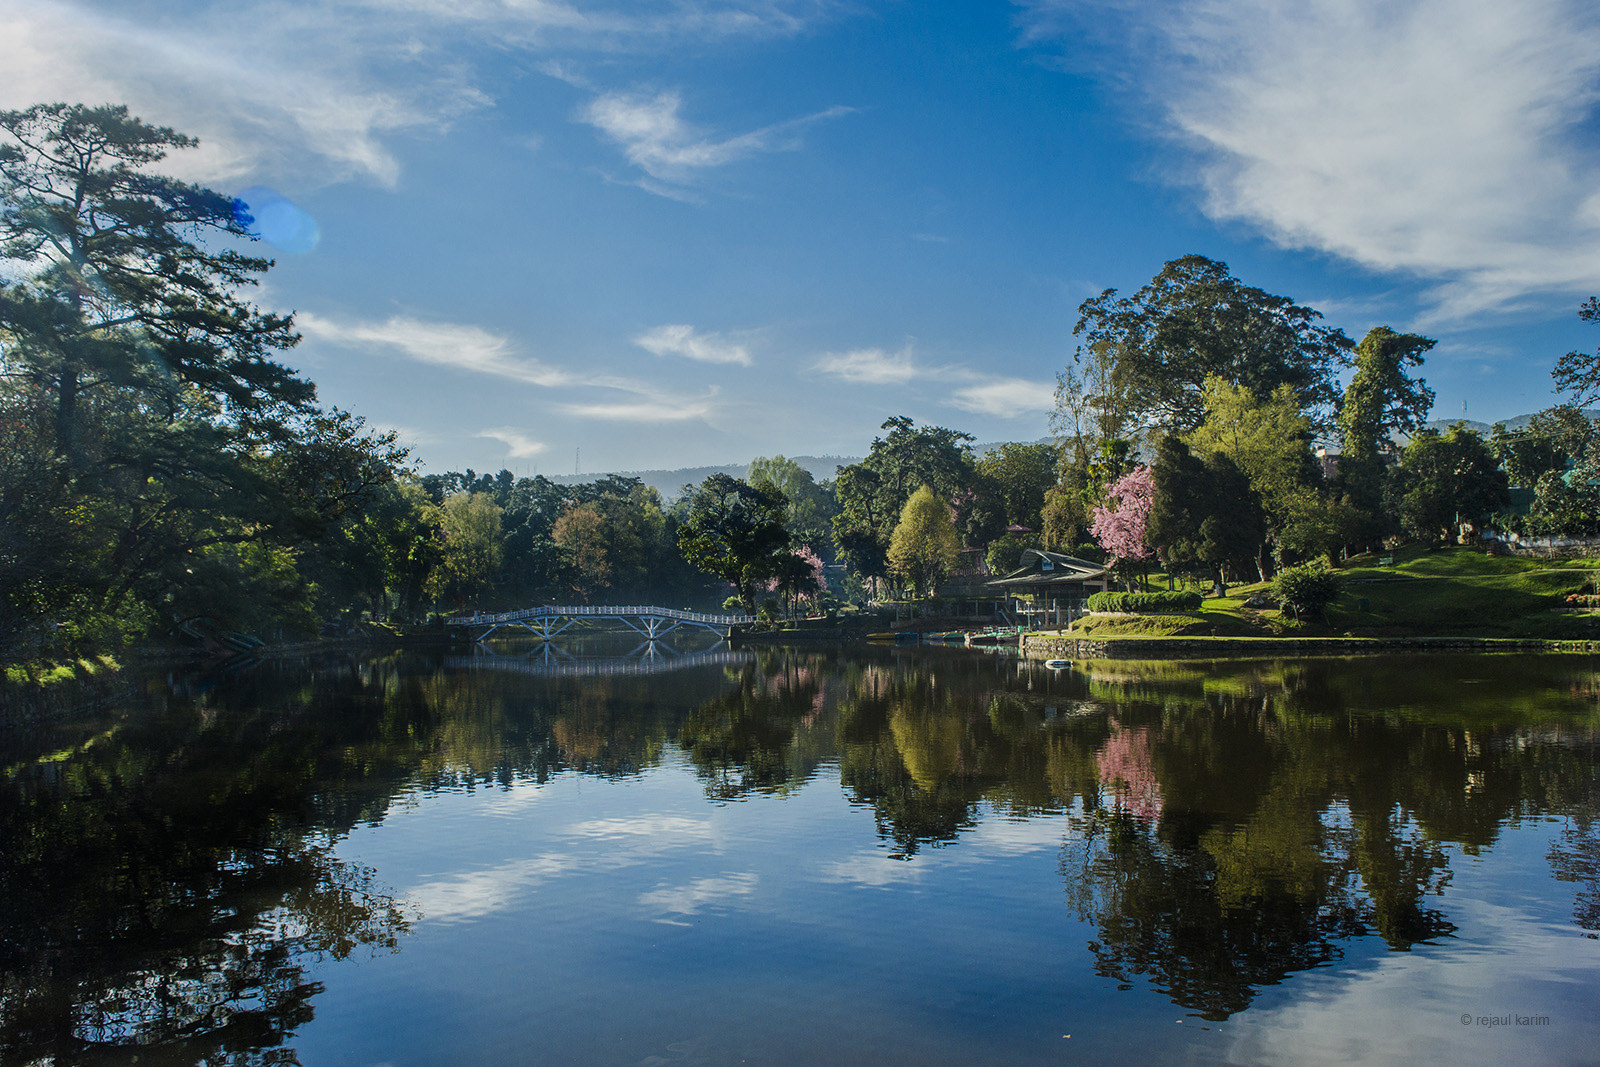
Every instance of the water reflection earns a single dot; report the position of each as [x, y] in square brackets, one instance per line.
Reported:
[168, 869]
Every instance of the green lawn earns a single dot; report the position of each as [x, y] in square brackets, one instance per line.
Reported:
[1446, 592]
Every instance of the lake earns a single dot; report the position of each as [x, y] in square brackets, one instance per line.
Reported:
[879, 856]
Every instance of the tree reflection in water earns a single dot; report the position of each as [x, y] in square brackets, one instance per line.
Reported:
[168, 874]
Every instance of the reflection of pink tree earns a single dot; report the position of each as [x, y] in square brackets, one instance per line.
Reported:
[1120, 525]
[1125, 764]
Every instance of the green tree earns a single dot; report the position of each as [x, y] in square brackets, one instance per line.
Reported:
[735, 531]
[1381, 403]
[872, 493]
[1205, 516]
[117, 290]
[150, 381]
[811, 506]
[1269, 439]
[1194, 320]
[1022, 475]
[1445, 483]
[924, 547]
[470, 524]
[1578, 373]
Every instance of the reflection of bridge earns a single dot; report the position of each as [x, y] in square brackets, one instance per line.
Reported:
[548, 621]
[551, 662]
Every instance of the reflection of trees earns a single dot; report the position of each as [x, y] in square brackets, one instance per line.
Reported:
[165, 885]
[1292, 817]
[745, 740]
[1575, 857]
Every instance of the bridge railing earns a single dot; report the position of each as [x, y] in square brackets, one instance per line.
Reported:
[631, 611]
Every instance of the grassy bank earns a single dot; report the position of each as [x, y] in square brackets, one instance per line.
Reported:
[1446, 592]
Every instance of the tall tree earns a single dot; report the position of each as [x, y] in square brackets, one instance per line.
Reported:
[1205, 516]
[924, 547]
[118, 287]
[734, 530]
[1578, 373]
[872, 493]
[811, 506]
[1194, 320]
[1381, 403]
[125, 334]
[1022, 475]
[1269, 439]
[1445, 483]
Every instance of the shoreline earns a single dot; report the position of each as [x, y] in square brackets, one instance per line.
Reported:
[1050, 646]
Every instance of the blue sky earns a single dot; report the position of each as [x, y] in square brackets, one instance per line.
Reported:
[670, 234]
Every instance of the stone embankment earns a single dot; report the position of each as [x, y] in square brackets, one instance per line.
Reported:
[1054, 646]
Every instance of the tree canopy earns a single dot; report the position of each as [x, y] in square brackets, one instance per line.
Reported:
[924, 547]
[1195, 320]
[735, 531]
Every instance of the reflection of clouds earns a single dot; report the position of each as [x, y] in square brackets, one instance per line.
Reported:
[628, 841]
[991, 838]
[514, 801]
[1014, 837]
[478, 893]
[657, 828]
[875, 870]
[1410, 1004]
[689, 899]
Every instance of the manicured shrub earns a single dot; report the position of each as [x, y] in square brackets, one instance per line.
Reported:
[1306, 590]
[1144, 602]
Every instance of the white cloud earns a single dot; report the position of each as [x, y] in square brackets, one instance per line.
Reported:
[518, 445]
[661, 409]
[869, 366]
[659, 142]
[294, 92]
[682, 340]
[1006, 397]
[469, 348]
[1445, 139]
[295, 97]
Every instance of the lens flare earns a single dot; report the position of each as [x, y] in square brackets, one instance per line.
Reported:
[277, 220]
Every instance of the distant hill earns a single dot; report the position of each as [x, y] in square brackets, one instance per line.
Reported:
[669, 482]
[1519, 422]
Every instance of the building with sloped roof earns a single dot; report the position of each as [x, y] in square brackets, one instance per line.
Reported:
[1049, 588]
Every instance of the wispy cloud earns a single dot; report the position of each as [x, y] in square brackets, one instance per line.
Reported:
[518, 444]
[300, 100]
[1006, 397]
[1444, 139]
[981, 393]
[296, 92]
[443, 344]
[657, 140]
[660, 409]
[682, 340]
[869, 366]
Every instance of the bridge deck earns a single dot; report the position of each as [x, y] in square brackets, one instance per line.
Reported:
[600, 611]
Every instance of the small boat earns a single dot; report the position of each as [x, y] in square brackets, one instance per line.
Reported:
[1058, 664]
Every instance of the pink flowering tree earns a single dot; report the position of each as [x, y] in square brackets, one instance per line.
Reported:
[1121, 523]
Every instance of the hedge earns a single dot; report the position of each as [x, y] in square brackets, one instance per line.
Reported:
[1137, 602]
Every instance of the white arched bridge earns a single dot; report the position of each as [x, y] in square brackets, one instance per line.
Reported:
[549, 621]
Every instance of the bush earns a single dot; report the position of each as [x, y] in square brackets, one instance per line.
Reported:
[1306, 590]
[1144, 602]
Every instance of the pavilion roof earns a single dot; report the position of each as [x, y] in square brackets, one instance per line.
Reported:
[1041, 568]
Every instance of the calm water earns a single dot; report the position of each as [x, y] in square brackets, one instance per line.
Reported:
[879, 857]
